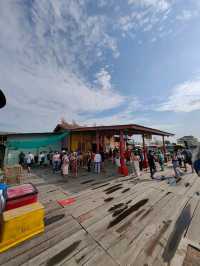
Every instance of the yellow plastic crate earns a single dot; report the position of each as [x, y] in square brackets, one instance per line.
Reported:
[20, 224]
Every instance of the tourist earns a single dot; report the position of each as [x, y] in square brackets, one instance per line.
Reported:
[41, 158]
[141, 160]
[134, 161]
[180, 158]
[161, 160]
[197, 161]
[85, 160]
[102, 159]
[36, 158]
[176, 166]
[74, 164]
[21, 158]
[127, 156]
[65, 165]
[56, 162]
[110, 153]
[92, 161]
[115, 152]
[187, 158]
[29, 161]
[50, 157]
[89, 160]
[80, 159]
[152, 165]
[97, 162]
[45, 158]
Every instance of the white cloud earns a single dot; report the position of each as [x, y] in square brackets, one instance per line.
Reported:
[187, 15]
[124, 116]
[184, 98]
[103, 79]
[145, 16]
[45, 48]
[133, 21]
[160, 5]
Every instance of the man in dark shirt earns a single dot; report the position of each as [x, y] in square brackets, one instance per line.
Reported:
[152, 165]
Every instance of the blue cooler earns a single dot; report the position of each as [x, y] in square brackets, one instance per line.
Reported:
[4, 187]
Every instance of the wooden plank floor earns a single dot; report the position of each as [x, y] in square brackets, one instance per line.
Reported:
[114, 221]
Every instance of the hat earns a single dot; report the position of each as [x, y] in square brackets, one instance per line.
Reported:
[2, 99]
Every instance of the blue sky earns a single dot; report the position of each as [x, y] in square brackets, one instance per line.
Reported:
[103, 62]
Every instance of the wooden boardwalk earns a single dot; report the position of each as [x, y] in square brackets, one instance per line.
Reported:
[115, 221]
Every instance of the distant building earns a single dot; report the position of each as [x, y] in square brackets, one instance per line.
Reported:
[191, 141]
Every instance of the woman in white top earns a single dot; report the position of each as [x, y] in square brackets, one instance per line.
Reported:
[29, 161]
[135, 164]
[65, 165]
[97, 161]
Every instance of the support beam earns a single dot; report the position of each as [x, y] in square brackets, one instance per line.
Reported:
[97, 141]
[103, 142]
[69, 142]
[164, 148]
[145, 163]
[123, 168]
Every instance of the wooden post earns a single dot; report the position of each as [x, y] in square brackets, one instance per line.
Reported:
[103, 142]
[122, 163]
[81, 138]
[145, 163]
[164, 148]
[69, 143]
[97, 141]
[123, 168]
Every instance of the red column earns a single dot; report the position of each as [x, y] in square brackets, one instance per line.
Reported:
[123, 168]
[145, 163]
[97, 140]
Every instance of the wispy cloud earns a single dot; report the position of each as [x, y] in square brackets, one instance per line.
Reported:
[145, 16]
[187, 15]
[45, 45]
[184, 98]
[159, 5]
[123, 116]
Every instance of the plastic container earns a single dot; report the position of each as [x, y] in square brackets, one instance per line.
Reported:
[21, 195]
[4, 188]
[20, 224]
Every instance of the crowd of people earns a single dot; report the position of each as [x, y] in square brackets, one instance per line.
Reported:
[65, 162]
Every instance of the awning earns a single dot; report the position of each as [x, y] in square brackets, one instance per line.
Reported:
[35, 143]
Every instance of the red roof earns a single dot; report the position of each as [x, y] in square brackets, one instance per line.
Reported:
[130, 129]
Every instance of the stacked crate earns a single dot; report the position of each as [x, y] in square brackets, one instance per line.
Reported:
[13, 174]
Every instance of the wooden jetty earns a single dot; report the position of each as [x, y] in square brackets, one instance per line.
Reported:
[114, 221]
